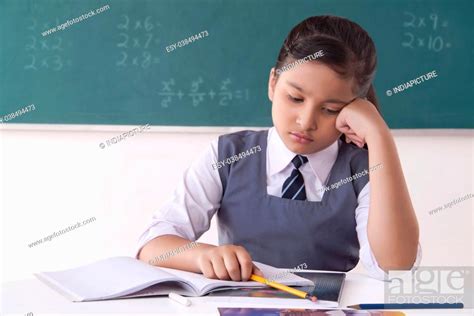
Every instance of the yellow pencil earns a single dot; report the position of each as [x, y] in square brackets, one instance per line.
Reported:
[283, 288]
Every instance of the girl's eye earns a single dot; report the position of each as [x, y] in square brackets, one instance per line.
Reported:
[332, 112]
[296, 100]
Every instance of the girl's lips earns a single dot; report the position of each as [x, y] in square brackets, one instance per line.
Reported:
[300, 138]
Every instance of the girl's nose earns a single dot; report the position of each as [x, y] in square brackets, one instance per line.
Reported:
[307, 120]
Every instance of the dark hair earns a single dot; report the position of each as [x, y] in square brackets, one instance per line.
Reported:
[347, 48]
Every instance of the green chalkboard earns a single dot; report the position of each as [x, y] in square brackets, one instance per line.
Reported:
[113, 67]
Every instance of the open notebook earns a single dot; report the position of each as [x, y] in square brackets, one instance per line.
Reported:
[123, 277]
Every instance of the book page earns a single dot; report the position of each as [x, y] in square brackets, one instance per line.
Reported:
[204, 285]
[163, 289]
[109, 278]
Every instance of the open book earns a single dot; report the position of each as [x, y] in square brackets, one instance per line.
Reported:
[123, 277]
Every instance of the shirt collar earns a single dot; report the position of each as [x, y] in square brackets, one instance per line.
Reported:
[320, 162]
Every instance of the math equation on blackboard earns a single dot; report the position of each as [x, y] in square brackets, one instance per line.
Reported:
[425, 32]
[223, 94]
[136, 39]
[45, 53]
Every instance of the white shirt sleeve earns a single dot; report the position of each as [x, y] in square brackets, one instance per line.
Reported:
[196, 199]
[366, 255]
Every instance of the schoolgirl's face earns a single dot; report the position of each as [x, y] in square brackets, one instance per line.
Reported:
[306, 101]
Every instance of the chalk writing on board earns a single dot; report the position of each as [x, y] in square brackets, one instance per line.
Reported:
[197, 94]
[135, 40]
[422, 32]
[44, 53]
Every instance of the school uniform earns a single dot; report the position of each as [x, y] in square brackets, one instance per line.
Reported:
[273, 203]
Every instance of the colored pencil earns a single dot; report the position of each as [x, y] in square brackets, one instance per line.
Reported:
[408, 306]
[285, 288]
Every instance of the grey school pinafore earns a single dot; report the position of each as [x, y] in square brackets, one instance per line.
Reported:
[286, 233]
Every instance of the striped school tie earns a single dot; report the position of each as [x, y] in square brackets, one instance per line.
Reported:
[293, 188]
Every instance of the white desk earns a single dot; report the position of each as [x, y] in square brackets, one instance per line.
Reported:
[22, 297]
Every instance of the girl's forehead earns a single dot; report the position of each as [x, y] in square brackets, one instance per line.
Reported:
[318, 78]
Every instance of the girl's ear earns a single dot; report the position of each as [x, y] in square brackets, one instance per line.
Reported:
[271, 84]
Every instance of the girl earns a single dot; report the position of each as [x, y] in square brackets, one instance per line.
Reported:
[276, 205]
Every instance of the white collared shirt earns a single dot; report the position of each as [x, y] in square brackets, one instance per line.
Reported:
[196, 199]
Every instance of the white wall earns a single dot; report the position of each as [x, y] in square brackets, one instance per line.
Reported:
[54, 176]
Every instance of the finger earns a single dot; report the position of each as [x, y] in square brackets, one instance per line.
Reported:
[257, 271]
[359, 144]
[352, 133]
[358, 141]
[219, 268]
[245, 262]
[207, 270]
[351, 139]
[341, 121]
[343, 128]
[232, 265]
[355, 138]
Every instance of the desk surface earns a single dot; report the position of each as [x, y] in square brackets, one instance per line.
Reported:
[32, 296]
